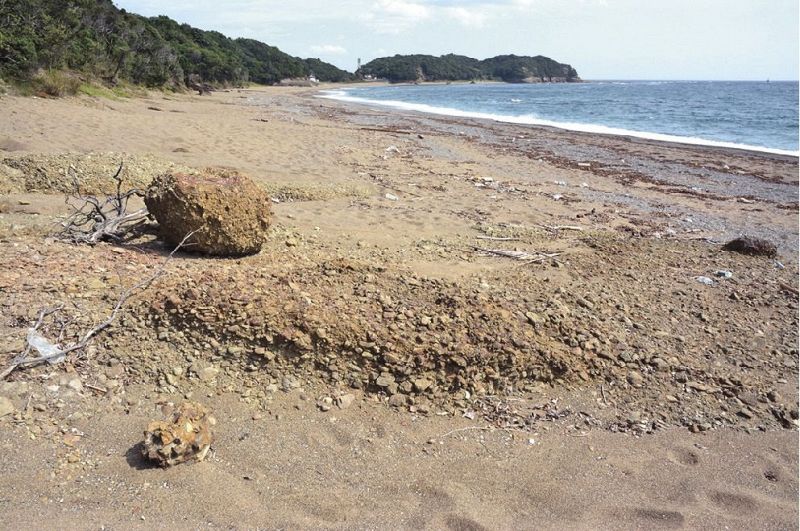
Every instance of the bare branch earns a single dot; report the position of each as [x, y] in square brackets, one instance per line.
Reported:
[97, 219]
[25, 358]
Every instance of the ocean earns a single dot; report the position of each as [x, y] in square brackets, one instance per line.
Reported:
[760, 116]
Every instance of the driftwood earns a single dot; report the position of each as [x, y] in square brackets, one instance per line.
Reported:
[556, 228]
[523, 256]
[196, 83]
[57, 354]
[97, 219]
[497, 238]
[386, 130]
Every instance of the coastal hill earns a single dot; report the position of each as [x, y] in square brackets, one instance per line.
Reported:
[99, 40]
[508, 68]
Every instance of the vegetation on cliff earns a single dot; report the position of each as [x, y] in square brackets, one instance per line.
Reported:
[96, 39]
[509, 68]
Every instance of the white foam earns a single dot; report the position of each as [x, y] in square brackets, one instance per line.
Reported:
[342, 95]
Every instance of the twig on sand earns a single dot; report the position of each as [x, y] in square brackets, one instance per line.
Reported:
[468, 428]
[385, 130]
[786, 287]
[497, 238]
[523, 256]
[102, 390]
[58, 354]
[562, 227]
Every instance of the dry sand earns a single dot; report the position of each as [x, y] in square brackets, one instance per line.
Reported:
[701, 436]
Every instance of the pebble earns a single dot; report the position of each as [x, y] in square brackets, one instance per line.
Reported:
[289, 382]
[345, 401]
[76, 385]
[422, 384]
[208, 374]
[398, 400]
[325, 403]
[635, 379]
[384, 380]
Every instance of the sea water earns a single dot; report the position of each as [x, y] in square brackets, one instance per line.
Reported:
[759, 116]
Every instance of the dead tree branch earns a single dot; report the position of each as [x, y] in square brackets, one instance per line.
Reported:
[50, 353]
[95, 219]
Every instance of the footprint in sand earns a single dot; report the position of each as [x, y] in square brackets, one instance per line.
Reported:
[735, 503]
[684, 456]
[460, 523]
[660, 518]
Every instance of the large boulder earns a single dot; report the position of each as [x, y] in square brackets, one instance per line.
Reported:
[230, 213]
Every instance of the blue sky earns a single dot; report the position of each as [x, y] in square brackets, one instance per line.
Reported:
[602, 39]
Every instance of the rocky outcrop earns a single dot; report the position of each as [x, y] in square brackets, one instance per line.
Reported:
[229, 213]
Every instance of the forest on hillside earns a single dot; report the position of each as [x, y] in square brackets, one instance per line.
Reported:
[509, 68]
[97, 39]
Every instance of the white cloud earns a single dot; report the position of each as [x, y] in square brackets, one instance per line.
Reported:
[329, 49]
[472, 18]
[404, 9]
[395, 16]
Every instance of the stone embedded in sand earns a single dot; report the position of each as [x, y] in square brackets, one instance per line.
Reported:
[184, 436]
[752, 246]
[230, 213]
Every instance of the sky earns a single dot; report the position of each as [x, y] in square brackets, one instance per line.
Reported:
[602, 39]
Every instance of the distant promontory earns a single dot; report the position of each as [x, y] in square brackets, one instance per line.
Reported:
[508, 68]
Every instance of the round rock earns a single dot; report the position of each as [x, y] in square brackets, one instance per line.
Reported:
[228, 211]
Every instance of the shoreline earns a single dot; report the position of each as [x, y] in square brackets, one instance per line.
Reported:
[592, 129]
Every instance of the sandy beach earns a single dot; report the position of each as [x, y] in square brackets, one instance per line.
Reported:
[602, 385]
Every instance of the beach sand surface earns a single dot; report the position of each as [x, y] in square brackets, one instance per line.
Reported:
[676, 407]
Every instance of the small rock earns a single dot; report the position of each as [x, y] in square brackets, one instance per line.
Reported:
[391, 197]
[384, 380]
[208, 374]
[704, 280]
[746, 413]
[289, 382]
[635, 379]
[723, 274]
[325, 403]
[422, 384]
[76, 385]
[534, 318]
[703, 388]
[345, 401]
[398, 400]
